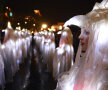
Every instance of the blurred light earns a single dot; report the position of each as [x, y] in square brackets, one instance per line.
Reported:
[9, 25]
[60, 27]
[37, 12]
[10, 14]
[51, 29]
[6, 7]
[6, 14]
[18, 23]
[59, 32]
[23, 29]
[25, 22]
[18, 28]
[44, 26]
[2, 46]
[32, 31]
[27, 18]
[3, 30]
[15, 31]
[33, 24]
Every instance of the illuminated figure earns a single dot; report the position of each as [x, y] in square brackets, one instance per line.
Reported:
[90, 71]
[63, 59]
[2, 75]
[45, 48]
[15, 47]
[51, 50]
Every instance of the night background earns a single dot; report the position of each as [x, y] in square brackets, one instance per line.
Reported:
[52, 11]
[34, 32]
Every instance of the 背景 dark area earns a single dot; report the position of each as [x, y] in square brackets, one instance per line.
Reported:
[52, 11]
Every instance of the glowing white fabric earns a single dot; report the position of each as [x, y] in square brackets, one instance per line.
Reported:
[91, 71]
[63, 58]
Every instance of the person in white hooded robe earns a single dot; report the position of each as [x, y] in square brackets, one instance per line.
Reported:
[90, 72]
[66, 81]
[63, 59]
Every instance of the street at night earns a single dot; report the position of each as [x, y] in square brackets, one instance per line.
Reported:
[32, 75]
[54, 45]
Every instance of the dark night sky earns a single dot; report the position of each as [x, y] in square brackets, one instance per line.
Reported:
[52, 10]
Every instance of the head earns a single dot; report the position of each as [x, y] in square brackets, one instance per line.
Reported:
[84, 37]
[66, 37]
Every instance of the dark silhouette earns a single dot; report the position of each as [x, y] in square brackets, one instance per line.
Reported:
[76, 32]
